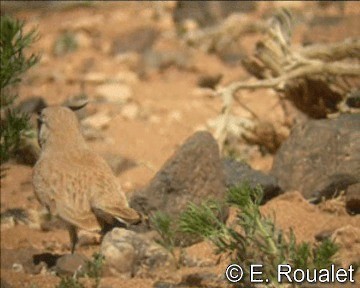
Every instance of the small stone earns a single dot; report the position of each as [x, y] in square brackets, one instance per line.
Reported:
[17, 216]
[209, 81]
[32, 105]
[132, 60]
[69, 264]
[323, 235]
[175, 116]
[353, 198]
[130, 111]
[128, 77]
[17, 267]
[97, 121]
[128, 253]
[95, 77]
[114, 93]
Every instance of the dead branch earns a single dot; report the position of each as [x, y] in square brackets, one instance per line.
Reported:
[333, 51]
[277, 64]
[310, 69]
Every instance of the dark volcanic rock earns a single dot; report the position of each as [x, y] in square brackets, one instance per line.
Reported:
[240, 172]
[353, 198]
[321, 157]
[194, 173]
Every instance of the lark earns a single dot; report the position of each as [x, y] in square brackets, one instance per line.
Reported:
[73, 182]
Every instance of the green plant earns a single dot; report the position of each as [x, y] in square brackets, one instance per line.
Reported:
[255, 239]
[66, 43]
[69, 282]
[94, 268]
[162, 223]
[202, 220]
[14, 63]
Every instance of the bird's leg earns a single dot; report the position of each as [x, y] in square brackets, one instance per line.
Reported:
[73, 237]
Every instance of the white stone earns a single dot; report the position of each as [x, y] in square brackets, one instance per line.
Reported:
[97, 121]
[130, 111]
[114, 92]
[127, 252]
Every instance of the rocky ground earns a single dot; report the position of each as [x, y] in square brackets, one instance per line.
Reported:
[149, 94]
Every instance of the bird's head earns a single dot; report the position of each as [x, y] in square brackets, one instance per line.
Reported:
[58, 125]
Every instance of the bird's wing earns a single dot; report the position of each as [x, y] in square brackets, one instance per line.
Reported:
[122, 214]
[82, 219]
[62, 187]
[107, 200]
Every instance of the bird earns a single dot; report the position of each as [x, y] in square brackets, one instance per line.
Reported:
[73, 182]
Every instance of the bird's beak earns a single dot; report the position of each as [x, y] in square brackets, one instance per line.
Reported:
[39, 121]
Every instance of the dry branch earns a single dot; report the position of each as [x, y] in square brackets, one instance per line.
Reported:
[311, 69]
[333, 51]
[278, 64]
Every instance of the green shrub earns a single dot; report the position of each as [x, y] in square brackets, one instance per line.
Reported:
[94, 268]
[66, 43]
[69, 282]
[14, 63]
[162, 223]
[255, 239]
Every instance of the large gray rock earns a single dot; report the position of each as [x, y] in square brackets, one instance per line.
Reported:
[237, 172]
[128, 254]
[321, 157]
[193, 174]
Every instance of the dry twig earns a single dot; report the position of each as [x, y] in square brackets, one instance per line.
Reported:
[277, 65]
